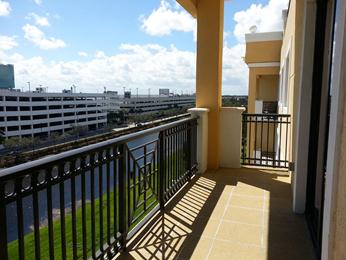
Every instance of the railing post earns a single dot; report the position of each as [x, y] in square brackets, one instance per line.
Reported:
[189, 150]
[201, 115]
[122, 197]
[3, 233]
[162, 169]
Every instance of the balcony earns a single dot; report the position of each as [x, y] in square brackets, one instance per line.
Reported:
[145, 195]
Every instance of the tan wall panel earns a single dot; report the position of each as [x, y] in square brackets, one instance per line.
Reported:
[253, 82]
[292, 44]
[268, 51]
[267, 88]
[340, 209]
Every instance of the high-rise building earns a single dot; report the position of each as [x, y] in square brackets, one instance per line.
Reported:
[6, 76]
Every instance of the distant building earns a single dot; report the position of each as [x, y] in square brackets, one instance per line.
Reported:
[153, 104]
[127, 94]
[6, 76]
[164, 91]
[39, 113]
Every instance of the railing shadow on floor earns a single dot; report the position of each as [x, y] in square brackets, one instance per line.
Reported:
[180, 231]
[182, 223]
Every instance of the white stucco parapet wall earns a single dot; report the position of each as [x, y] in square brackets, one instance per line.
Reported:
[202, 137]
[230, 136]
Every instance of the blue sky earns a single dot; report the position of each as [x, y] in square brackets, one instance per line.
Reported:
[131, 43]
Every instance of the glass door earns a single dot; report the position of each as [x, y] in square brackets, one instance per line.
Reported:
[319, 119]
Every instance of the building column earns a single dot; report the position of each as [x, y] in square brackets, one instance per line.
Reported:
[210, 21]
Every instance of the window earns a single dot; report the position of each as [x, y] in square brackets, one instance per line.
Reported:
[54, 107]
[24, 118]
[26, 127]
[24, 99]
[54, 99]
[38, 99]
[12, 128]
[11, 98]
[24, 108]
[39, 108]
[69, 122]
[11, 108]
[284, 88]
[55, 115]
[39, 117]
[55, 123]
[40, 125]
[69, 114]
[12, 118]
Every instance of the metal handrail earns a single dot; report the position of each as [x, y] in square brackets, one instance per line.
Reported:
[267, 114]
[118, 193]
[4, 173]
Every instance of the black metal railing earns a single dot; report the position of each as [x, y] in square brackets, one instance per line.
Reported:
[88, 202]
[265, 140]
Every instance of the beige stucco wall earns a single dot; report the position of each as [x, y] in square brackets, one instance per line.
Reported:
[260, 86]
[267, 88]
[265, 51]
[254, 74]
[339, 216]
[292, 48]
[230, 136]
[338, 205]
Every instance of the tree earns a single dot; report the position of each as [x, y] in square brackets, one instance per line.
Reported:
[12, 143]
[55, 137]
[78, 130]
[2, 136]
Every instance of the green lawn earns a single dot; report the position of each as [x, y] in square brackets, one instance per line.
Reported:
[29, 240]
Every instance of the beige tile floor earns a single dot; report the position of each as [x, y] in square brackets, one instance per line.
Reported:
[227, 214]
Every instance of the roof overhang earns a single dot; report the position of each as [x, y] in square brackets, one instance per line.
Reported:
[264, 37]
[190, 6]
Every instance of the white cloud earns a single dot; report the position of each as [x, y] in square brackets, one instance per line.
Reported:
[5, 8]
[38, 2]
[100, 55]
[83, 54]
[141, 66]
[39, 20]
[235, 71]
[167, 19]
[266, 17]
[36, 36]
[7, 43]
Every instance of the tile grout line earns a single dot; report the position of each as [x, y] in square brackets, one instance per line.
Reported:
[248, 208]
[263, 220]
[218, 228]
